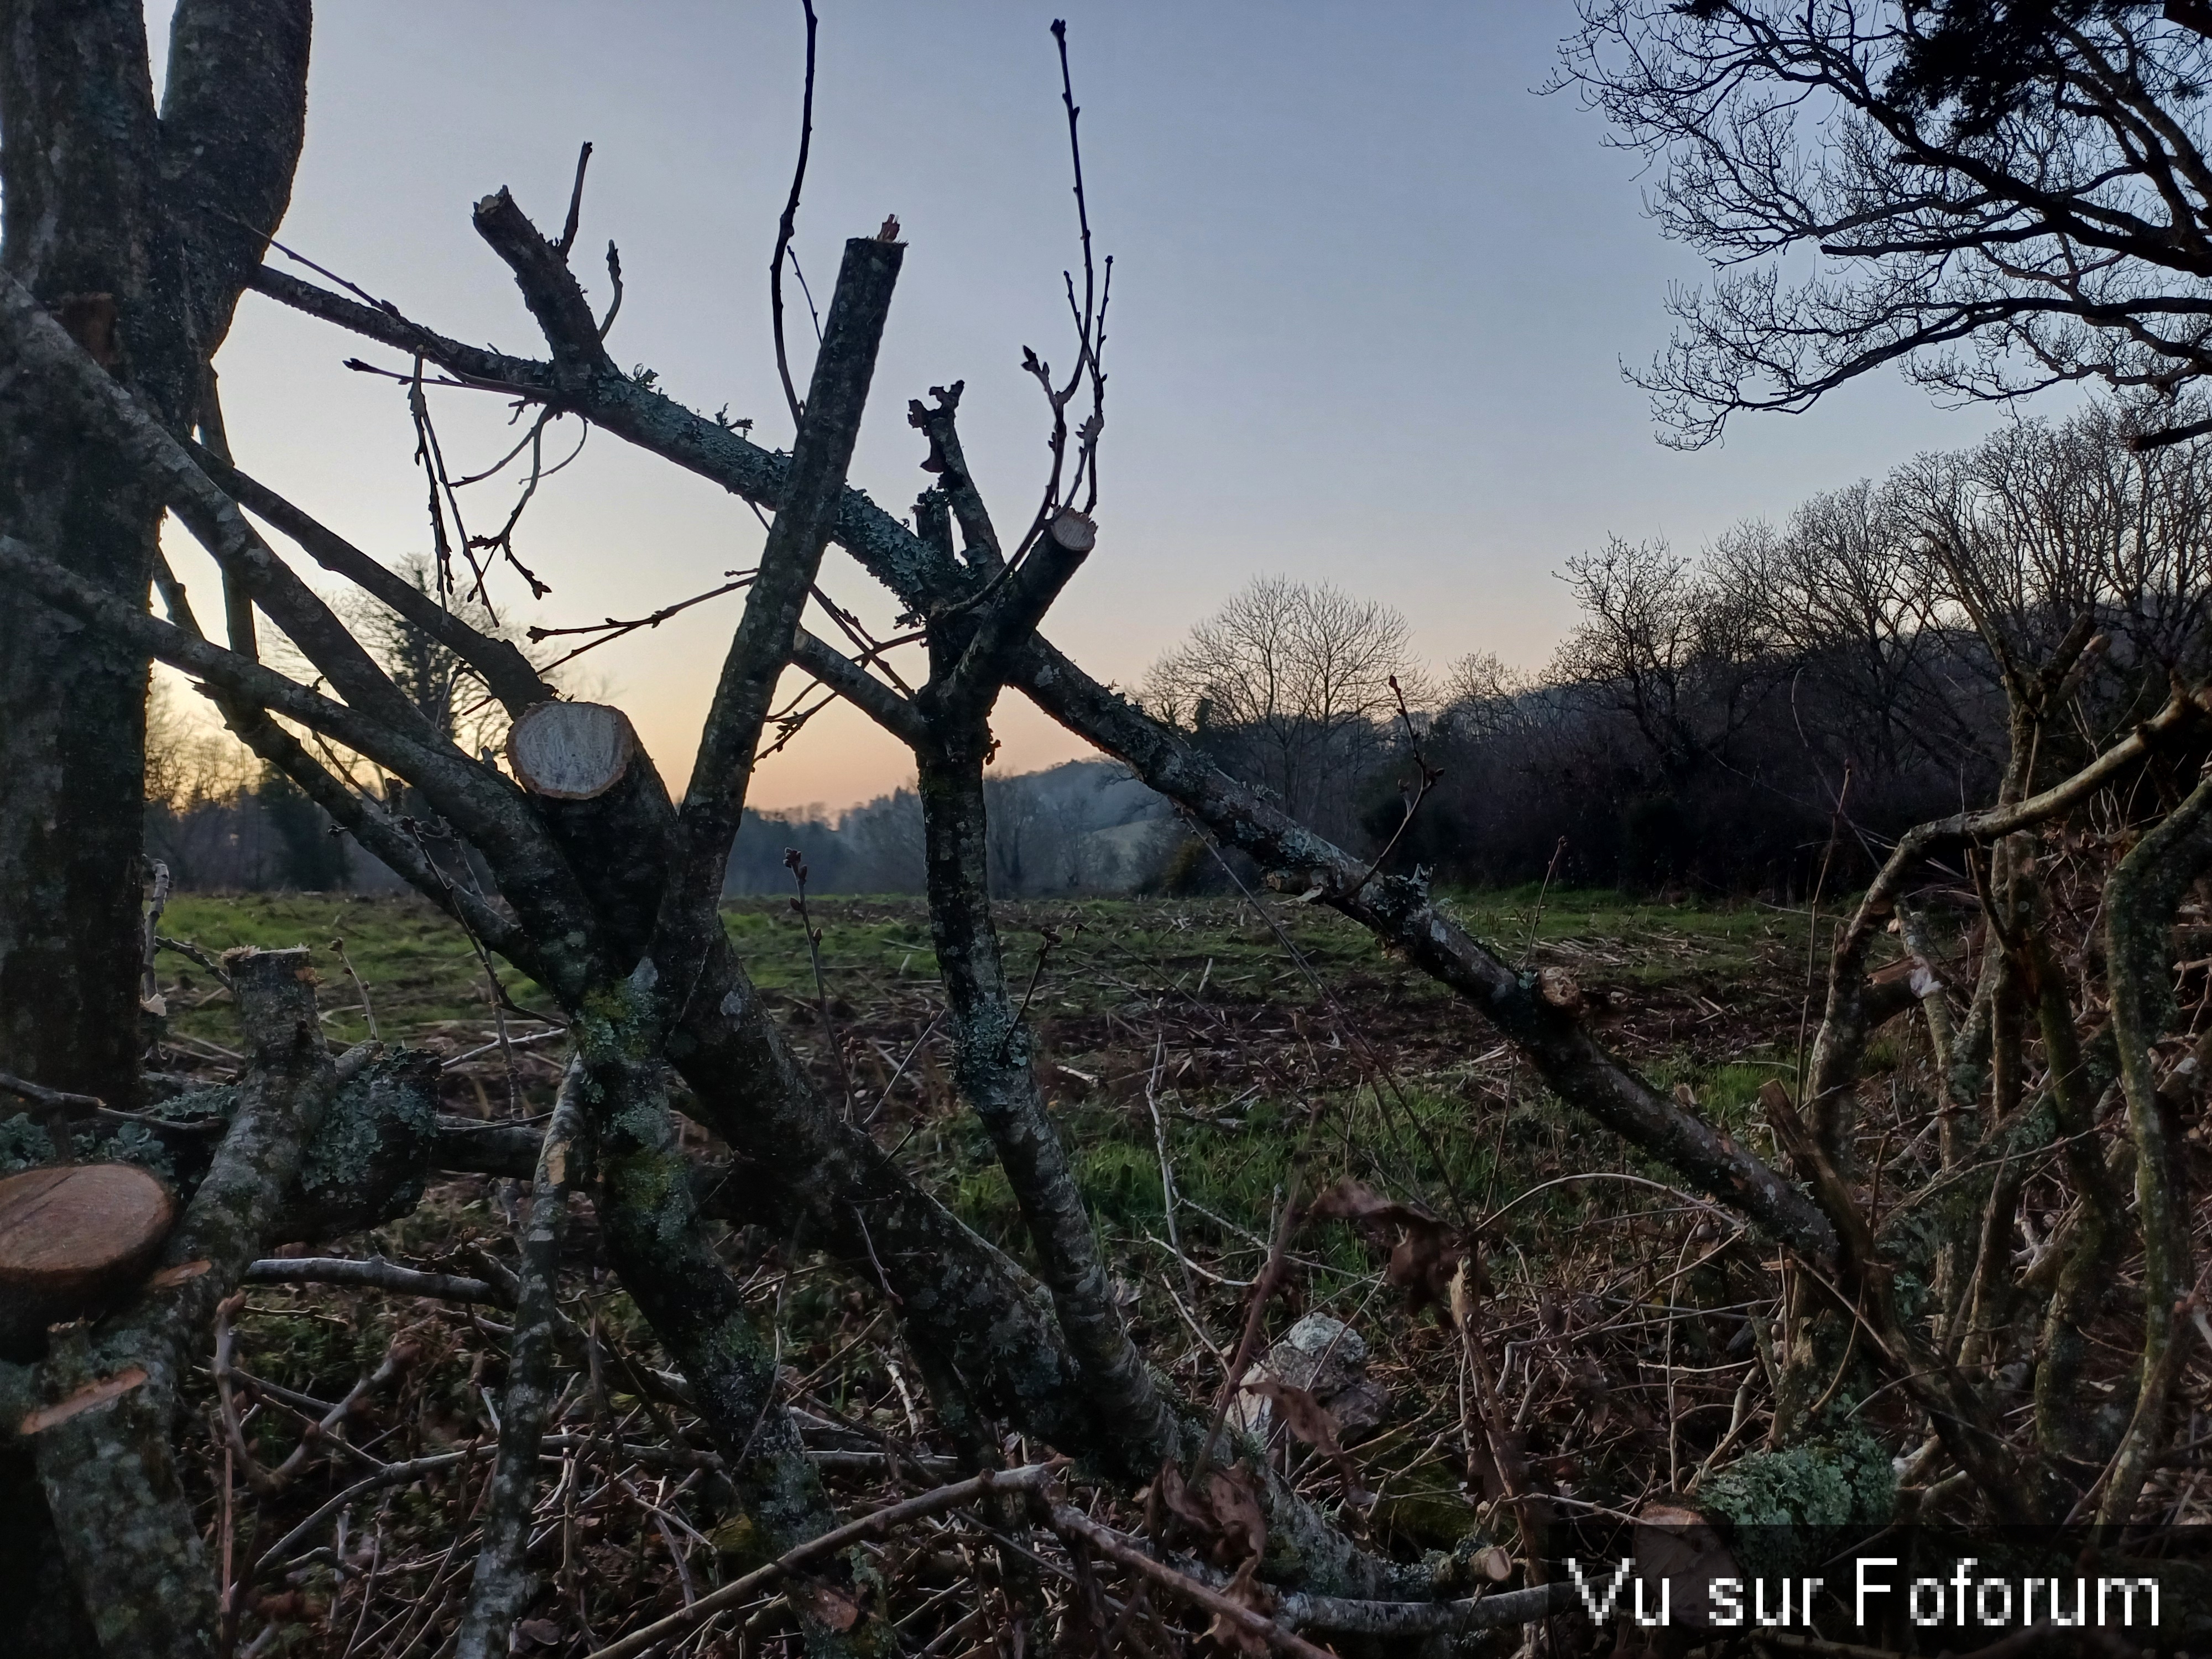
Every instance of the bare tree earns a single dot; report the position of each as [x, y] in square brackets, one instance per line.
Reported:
[2001, 198]
[1293, 680]
[1678, 654]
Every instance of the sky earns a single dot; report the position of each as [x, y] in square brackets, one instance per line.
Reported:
[1372, 296]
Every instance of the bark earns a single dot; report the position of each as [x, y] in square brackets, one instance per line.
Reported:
[125, 226]
[501, 1587]
[108, 1395]
[76, 125]
[994, 1068]
[656, 1240]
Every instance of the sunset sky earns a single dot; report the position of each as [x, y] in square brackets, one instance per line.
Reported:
[1372, 297]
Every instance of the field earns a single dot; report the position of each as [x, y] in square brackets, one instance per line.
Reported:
[1231, 1020]
[1212, 1043]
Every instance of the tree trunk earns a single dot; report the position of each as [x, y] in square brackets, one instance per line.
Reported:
[127, 227]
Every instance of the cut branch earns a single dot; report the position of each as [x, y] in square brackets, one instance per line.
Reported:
[124, 1523]
[501, 1589]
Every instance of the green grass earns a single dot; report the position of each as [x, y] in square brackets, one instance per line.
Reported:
[1251, 1035]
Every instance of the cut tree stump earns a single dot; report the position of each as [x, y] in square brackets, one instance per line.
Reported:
[570, 751]
[73, 1241]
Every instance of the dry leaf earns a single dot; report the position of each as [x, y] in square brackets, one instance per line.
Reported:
[832, 1611]
[1425, 1254]
[1228, 1521]
[1312, 1422]
[1243, 1590]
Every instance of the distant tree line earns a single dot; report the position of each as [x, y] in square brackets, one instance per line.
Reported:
[1084, 826]
[1783, 705]
[1790, 701]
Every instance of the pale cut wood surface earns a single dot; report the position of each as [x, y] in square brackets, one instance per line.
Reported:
[73, 1239]
[571, 751]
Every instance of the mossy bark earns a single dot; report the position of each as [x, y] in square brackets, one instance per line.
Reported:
[109, 1392]
[992, 1064]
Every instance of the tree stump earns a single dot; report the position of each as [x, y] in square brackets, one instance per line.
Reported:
[570, 751]
[73, 1241]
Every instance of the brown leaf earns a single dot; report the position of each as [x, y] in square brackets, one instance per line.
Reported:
[832, 1611]
[538, 1633]
[1422, 1265]
[1227, 1523]
[1306, 1417]
[1424, 1253]
[1242, 1525]
[1246, 1591]
[1169, 1489]
[1315, 1423]
[1356, 1201]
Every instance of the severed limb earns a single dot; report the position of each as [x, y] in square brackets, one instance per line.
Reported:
[714, 800]
[993, 1065]
[697, 1309]
[993, 1062]
[372, 1274]
[107, 1395]
[500, 1587]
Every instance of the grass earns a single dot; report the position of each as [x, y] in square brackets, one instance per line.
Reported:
[1190, 1023]
[1199, 1003]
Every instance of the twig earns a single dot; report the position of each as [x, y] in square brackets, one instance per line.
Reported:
[1263, 1290]
[613, 630]
[794, 862]
[1429, 777]
[1536, 915]
[374, 1273]
[1030, 1477]
[193, 952]
[354, 973]
[54, 1108]
[789, 221]
[1167, 1170]
[575, 203]
[1073, 1524]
